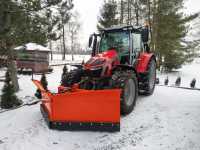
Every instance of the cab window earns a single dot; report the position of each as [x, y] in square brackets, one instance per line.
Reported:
[137, 42]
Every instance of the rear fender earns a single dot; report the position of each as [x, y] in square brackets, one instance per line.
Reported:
[143, 62]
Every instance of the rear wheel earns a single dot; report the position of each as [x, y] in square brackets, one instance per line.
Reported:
[150, 78]
[127, 81]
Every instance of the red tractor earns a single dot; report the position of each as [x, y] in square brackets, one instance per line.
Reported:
[120, 59]
[92, 96]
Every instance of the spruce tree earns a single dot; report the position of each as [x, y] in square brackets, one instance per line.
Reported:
[108, 16]
[169, 32]
[8, 98]
[44, 83]
[168, 28]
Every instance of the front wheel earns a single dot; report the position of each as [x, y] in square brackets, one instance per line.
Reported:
[127, 81]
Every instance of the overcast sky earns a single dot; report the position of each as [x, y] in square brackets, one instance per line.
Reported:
[192, 6]
[89, 10]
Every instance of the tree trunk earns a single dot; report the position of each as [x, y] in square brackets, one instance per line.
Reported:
[50, 46]
[128, 22]
[12, 67]
[122, 13]
[154, 26]
[136, 13]
[72, 45]
[11, 64]
[149, 18]
[64, 47]
[61, 47]
[13, 73]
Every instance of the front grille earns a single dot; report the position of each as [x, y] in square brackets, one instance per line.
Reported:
[93, 73]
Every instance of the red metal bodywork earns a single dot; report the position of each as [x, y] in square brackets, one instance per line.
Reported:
[143, 62]
[82, 105]
[109, 59]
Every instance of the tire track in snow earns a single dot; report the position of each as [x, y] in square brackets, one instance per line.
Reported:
[136, 135]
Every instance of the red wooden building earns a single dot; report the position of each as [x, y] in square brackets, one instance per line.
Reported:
[33, 57]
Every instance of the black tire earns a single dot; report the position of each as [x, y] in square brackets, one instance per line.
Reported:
[127, 81]
[150, 78]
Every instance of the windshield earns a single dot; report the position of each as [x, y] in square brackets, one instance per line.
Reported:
[116, 40]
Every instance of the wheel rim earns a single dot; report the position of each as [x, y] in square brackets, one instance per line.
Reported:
[129, 92]
[152, 76]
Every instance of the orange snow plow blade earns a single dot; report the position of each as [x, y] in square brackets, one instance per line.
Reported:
[79, 109]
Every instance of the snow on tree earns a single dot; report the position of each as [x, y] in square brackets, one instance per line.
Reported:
[108, 16]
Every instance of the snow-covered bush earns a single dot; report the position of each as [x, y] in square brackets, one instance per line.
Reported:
[8, 97]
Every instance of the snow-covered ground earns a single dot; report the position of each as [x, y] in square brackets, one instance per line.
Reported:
[57, 59]
[167, 120]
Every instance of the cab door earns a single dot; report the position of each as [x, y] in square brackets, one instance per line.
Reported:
[136, 47]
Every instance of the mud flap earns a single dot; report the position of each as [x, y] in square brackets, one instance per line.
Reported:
[79, 109]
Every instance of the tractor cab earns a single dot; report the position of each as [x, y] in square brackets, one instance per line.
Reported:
[118, 41]
[127, 41]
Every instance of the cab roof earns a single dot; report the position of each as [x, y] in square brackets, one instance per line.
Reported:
[122, 28]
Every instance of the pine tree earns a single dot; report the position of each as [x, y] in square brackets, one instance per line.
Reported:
[108, 16]
[44, 83]
[28, 21]
[168, 28]
[132, 12]
[8, 98]
[169, 33]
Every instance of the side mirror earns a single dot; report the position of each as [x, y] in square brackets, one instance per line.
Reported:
[145, 35]
[90, 40]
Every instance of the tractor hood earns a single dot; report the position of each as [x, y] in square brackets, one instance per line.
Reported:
[101, 59]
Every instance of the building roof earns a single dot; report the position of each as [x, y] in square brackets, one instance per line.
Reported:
[32, 47]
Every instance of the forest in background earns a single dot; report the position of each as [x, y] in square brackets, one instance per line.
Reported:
[54, 23]
[169, 27]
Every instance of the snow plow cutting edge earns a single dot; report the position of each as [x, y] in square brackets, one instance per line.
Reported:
[79, 109]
